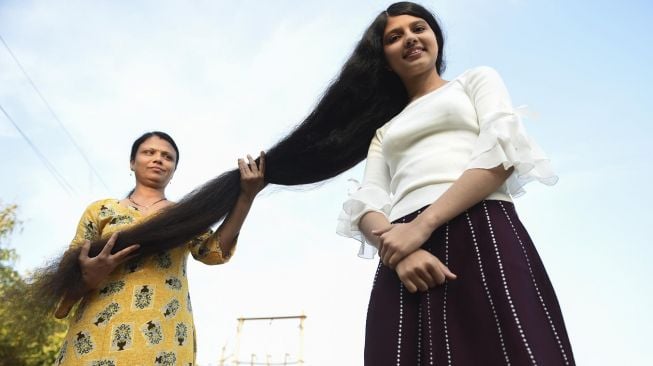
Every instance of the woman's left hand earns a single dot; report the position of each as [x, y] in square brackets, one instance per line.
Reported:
[399, 240]
[252, 176]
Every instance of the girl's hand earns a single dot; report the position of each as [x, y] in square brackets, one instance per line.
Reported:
[422, 270]
[252, 176]
[96, 269]
[399, 240]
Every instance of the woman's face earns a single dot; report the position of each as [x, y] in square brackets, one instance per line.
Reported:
[409, 45]
[155, 162]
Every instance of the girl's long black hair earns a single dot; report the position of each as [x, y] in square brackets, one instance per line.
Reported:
[333, 138]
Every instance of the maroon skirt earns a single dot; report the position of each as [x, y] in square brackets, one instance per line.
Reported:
[501, 310]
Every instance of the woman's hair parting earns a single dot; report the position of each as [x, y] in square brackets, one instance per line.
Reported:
[333, 138]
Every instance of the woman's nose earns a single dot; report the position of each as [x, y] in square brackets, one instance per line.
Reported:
[411, 40]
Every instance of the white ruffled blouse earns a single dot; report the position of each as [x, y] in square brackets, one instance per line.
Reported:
[415, 157]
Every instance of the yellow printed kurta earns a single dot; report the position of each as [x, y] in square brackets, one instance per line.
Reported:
[142, 314]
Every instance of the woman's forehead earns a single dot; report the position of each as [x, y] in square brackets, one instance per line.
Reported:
[399, 21]
[155, 142]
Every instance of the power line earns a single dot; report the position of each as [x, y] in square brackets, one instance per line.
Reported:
[56, 118]
[60, 179]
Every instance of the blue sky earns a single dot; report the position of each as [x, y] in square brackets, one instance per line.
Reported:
[225, 79]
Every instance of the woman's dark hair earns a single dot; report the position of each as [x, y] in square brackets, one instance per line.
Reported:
[333, 138]
[162, 135]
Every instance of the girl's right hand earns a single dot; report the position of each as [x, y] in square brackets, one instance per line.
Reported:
[422, 270]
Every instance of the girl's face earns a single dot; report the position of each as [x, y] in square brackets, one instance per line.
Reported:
[155, 162]
[409, 45]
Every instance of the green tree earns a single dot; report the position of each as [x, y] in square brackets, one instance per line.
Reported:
[25, 339]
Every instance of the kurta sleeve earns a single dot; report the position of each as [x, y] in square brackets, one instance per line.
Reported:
[370, 196]
[502, 138]
[206, 249]
[88, 227]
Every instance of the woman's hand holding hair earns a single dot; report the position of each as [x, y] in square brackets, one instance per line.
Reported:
[421, 270]
[95, 270]
[252, 176]
[252, 181]
[399, 240]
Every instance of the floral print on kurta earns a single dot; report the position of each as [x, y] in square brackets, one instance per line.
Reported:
[141, 315]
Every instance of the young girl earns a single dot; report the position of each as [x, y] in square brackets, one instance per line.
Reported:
[460, 282]
[138, 312]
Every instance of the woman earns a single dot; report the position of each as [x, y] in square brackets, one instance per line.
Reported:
[137, 310]
[335, 136]
[459, 282]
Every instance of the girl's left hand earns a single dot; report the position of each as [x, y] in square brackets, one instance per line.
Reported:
[252, 176]
[399, 240]
[422, 270]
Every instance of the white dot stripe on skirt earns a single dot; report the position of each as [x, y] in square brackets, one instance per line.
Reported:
[376, 275]
[506, 290]
[428, 321]
[419, 334]
[444, 301]
[487, 289]
[428, 317]
[401, 322]
[537, 288]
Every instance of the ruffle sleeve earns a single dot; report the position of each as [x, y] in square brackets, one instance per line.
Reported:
[364, 199]
[502, 137]
[370, 196]
[503, 141]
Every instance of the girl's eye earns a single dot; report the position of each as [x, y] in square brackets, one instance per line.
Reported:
[392, 38]
[420, 28]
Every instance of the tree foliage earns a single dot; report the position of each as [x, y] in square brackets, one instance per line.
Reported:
[25, 339]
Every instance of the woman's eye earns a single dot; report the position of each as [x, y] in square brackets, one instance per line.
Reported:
[392, 38]
[420, 28]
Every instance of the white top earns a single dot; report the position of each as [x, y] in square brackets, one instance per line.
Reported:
[416, 156]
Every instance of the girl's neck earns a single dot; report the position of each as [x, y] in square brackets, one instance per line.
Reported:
[421, 84]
